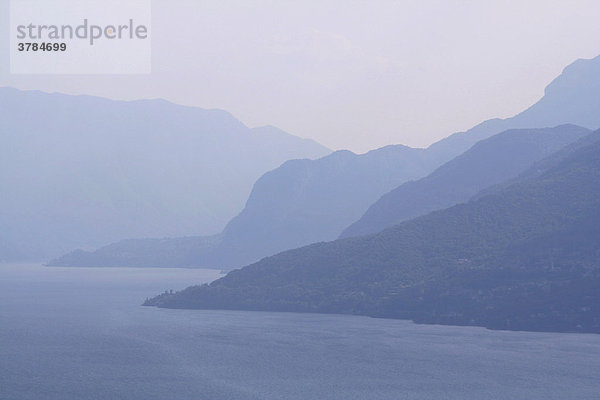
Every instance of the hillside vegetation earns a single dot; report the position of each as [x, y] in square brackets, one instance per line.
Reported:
[524, 257]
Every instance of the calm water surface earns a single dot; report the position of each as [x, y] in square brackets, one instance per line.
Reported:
[81, 334]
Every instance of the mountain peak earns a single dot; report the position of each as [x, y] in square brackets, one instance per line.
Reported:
[578, 75]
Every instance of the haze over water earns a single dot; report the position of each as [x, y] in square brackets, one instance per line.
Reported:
[81, 333]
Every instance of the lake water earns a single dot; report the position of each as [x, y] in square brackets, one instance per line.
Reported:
[82, 334]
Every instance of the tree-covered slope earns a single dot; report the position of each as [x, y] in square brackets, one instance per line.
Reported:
[487, 163]
[473, 263]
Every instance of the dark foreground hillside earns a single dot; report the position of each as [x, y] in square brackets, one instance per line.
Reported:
[526, 257]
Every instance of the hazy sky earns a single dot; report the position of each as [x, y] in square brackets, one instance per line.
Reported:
[350, 74]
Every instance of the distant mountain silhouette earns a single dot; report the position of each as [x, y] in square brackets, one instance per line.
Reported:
[301, 202]
[572, 98]
[310, 201]
[183, 252]
[524, 257]
[81, 171]
[306, 201]
[489, 162]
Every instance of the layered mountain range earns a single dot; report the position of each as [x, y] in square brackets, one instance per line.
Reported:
[487, 163]
[81, 171]
[523, 256]
[306, 201]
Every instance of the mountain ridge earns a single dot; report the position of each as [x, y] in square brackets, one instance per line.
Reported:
[445, 267]
[95, 170]
[489, 162]
[291, 234]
